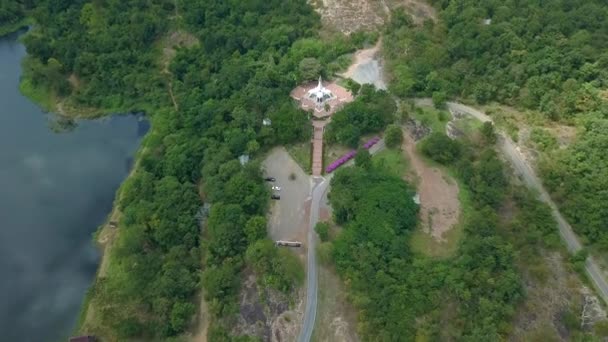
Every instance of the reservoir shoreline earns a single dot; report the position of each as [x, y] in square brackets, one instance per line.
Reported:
[59, 185]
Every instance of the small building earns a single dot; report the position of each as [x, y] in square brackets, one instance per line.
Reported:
[267, 122]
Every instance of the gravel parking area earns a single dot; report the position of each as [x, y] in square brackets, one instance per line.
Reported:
[289, 216]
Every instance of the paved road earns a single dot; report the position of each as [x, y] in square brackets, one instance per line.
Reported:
[320, 186]
[521, 166]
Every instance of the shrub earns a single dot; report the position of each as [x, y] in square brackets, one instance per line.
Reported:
[441, 148]
[393, 136]
[322, 228]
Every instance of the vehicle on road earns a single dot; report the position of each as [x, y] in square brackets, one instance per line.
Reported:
[275, 197]
[270, 179]
[277, 188]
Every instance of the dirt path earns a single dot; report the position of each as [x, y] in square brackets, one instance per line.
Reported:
[200, 334]
[361, 57]
[367, 67]
[169, 43]
[439, 204]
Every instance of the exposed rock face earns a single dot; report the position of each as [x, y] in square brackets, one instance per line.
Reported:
[417, 130]
[265, 312]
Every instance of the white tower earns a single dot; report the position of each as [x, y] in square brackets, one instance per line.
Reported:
[320, 94]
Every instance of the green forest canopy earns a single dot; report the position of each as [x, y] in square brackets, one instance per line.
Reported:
[241, 72]
[401, 296]
[550, 56]
[247, 61]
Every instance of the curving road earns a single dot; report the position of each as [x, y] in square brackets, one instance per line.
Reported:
[320, 186]
[522, 168]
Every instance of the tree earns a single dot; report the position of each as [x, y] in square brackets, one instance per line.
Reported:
[322, 228]
[393, 136]
[180, 315]
[363, 158]
[252, 147]
[371, 112]
[441, 148]
[439, 99]
[256, 228]
[488, 133]
[310, 69]
[353, 86]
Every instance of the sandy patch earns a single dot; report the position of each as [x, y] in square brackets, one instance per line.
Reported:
[266, 313]
[202, 322]
[367, 67]
[439, 204]
[349, 16]
[336, 318]
[420, 10]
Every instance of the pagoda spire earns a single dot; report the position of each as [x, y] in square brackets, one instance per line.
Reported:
[320, 83]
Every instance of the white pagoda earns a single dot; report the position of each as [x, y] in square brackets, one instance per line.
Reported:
[320, 94]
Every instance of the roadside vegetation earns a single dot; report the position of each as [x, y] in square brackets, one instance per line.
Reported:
[550, 58]
[476, 291]
[370, 112]
[379, 215]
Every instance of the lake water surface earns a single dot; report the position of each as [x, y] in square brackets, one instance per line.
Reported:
[55, 189]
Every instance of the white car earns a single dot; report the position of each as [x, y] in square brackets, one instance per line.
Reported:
[277, 188]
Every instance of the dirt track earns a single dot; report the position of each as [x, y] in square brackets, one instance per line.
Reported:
[366, 67]
[439, 204]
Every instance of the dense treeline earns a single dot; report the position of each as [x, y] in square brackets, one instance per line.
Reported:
[402, 296]
[249, 56]
[577, 178]
[549, 56]
[370, 112]
[108, 47]
[13, 12]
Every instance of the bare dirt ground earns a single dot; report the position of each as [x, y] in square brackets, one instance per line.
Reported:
[520, 123]
[202, 322]
[367, 67]
[420, 10]
[336, 320]
[288, 216]
[266, 313]
[553, 292]
[336, 317]
[349, 16]
[439, 204]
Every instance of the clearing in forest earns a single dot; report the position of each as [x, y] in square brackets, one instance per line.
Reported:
[289, 216]
[366, 67]
[336, 318]
[349, 16]
[439, 203]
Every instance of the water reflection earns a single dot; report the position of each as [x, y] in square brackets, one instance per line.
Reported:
[55, 189]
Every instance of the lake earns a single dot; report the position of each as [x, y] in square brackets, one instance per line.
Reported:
[55, 190]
